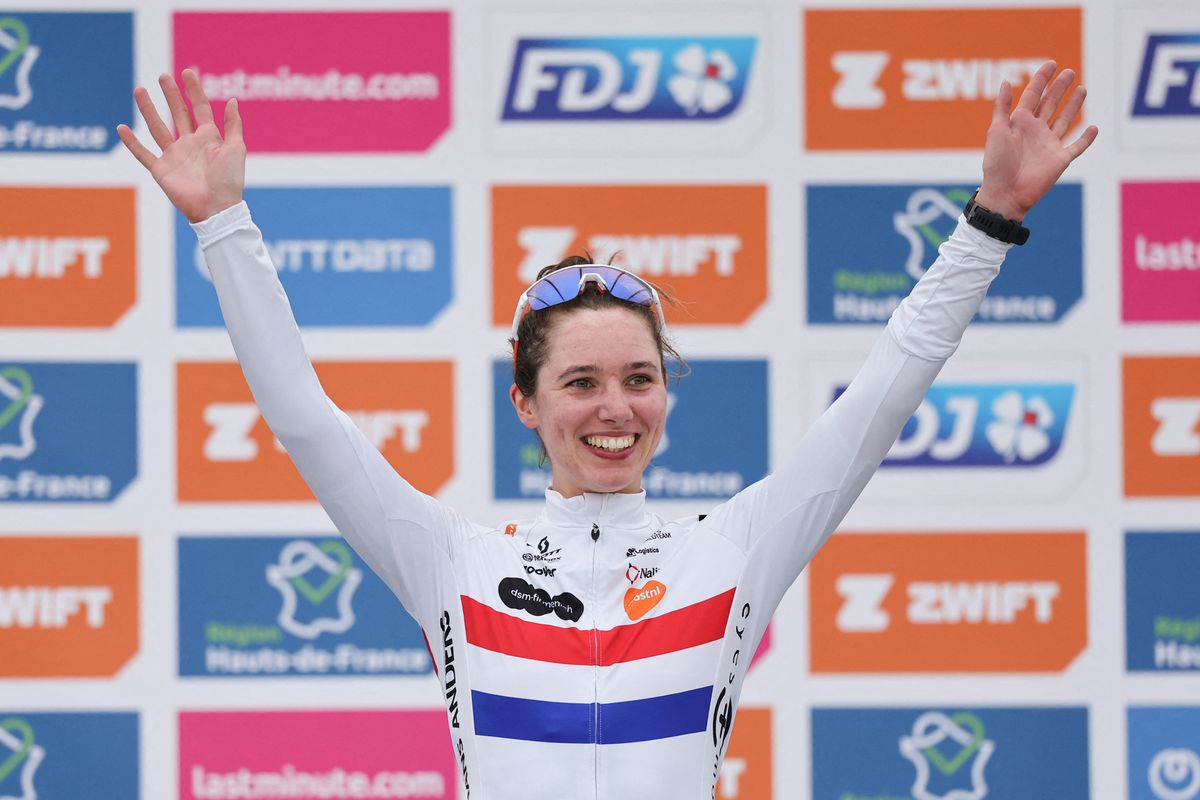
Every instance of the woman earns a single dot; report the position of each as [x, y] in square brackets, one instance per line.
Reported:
[596, 650]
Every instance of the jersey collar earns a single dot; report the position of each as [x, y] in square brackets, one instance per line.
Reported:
[619, 509]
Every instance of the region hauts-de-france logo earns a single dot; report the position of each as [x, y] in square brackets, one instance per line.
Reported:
[22, 760]
[963, 731]
[20, 409]
[18, 57]
[290, 578]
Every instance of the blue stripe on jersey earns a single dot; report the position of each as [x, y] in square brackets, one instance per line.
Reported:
[579, 723]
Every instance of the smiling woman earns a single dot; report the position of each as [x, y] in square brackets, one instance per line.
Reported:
[596, 649]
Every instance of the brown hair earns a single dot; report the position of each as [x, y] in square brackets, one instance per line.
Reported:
[533, 332]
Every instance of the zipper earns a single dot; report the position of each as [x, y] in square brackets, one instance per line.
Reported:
[596, 655]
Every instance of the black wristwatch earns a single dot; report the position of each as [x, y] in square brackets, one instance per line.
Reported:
[993, 224]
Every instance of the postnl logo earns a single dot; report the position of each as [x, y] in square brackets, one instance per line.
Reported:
[1162, 426]
[984, 425]
[640, 77]
[958, 602]
[1160, 252]
[325, 82]
[362, 256]
[746, 772]
[1164, 752]
[227, 452]
[44, 107]
[68, 755]
[68, 605]
[706, 245]
[878, 79]
[1169, 81]
[47, 411]
[290, 754]
[67, 256]
[300, 606]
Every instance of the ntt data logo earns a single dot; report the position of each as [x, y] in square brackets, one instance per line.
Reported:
[950, 754]
[1169, 81]
[1162, 602]
[632, 78]
[1164, 753]
[984, 425]
[304, 606]
[361, 256]
[68, 755]
[68, 432]
[44, 106]
[694, 459]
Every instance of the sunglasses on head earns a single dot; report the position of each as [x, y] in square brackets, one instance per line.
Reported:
[566, 284]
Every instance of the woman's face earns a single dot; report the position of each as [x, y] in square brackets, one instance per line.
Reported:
[600, 403]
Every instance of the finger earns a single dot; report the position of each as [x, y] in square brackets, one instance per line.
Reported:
[1075, 149]
[1054, 94]
[1037, 85]
[179, 111]
[195, 92]
[1066, 117]
[233, 122]
[139, 150]
[1003, 107]
[158, 129]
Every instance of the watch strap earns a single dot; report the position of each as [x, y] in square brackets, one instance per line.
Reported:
[995, 225]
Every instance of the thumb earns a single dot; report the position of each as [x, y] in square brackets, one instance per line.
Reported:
[233, 123]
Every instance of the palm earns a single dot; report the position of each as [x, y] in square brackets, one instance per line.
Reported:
[1025, 153]
[201, 173]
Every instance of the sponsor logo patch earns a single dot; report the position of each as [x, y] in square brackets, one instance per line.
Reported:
[1162, 426]
[68, 605]
[44, 107]
[268, 606]
[67, 256]
[361, 256]
[227, 452]
[877, 80]
[68, 755]
[1164, 753]
[47, 412]
[524, 596]
[957, 602]
[860, 279]
[315, 82]
[1160, 252]
[1162, 601]
[640, 601]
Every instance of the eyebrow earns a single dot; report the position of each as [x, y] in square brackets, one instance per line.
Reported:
[587, 369]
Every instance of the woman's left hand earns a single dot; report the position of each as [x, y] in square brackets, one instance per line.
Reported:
[1025, 152]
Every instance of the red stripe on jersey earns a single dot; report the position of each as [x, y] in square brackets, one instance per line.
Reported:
[690, 626]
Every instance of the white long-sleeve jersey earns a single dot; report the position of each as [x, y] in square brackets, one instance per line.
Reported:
[594, 650]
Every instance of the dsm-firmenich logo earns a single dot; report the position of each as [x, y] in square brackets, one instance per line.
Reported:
[950, 754]
[1169, 81]
[68, 432]
[1164, 753]
[1162, 602]
[860, 277]
[347, 256]
[628, 78]
[271, 607]
[694, 459]
[68, 755]
[984, 425]
[44, 105]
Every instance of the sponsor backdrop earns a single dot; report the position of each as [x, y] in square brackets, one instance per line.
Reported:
[179, 619]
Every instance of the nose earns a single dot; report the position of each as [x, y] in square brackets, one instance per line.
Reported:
[614, 406]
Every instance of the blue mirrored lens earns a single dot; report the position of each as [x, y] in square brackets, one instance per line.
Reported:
[563, 285]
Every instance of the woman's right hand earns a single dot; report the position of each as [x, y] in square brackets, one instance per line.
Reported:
[200, 172]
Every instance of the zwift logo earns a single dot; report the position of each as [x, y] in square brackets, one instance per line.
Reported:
[1169, 83]
[641, 78]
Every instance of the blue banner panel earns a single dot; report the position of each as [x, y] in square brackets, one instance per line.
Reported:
[68, 755]
[868, 246]
[68, 432]
[1162, 602]
[949, 754]
[1167, 82]
[348, 256]
[1164, 753]
[696, 458]
[271, 606]
[632, 78]
[66, 81]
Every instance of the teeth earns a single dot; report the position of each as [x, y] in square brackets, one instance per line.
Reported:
[613, 444]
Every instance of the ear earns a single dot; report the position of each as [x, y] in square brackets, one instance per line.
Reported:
[526, 412]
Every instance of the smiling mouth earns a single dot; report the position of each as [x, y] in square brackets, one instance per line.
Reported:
[611, 444]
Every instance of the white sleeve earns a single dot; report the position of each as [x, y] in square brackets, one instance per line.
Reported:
[397, 530]
[781, 521]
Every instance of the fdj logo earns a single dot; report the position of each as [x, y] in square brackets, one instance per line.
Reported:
[628, 78]
[290, 577]
[23, 760]
[985, 426]
[1169, 83]
[964, 733]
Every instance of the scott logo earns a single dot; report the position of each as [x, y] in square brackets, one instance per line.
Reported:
[628, 78]
[1169, 83]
